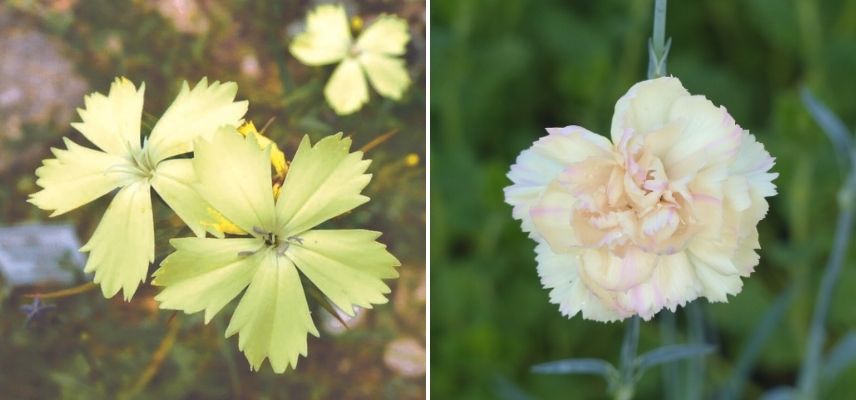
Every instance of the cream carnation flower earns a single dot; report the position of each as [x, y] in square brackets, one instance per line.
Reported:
[664, 214]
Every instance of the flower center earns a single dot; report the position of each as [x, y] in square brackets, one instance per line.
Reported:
[144, 163]
[354, 51]
[627, 201]
[272, 241]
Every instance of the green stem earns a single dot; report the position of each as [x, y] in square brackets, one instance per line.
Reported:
[659, 37]
[626, 381]
[668, 336]
[658, 46]
[695, 373]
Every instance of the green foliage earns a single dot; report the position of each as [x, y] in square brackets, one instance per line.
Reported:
[502, 71]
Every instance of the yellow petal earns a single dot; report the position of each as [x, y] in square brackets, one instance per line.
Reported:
[234, 177]
[324, 181]
[346, 265]
[327, 38]
[388, 75]
[206, 274]
[217, 222]
[173, 180]
[195, 112]
[123, 244]
[346, 91]
[112, 122]
[386, 35]
[277, 157]
[273, 317]
[77, 176]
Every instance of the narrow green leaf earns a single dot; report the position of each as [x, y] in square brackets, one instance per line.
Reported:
[504, 389]
[779, 393]
[667, 354]
[840, 358]
[585, 366]
[832, 126]
[322, 300]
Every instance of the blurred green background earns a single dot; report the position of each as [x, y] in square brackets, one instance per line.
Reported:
[504, 70]
[52, 52]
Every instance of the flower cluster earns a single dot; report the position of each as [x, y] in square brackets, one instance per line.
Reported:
[227, 187]
[663, 214]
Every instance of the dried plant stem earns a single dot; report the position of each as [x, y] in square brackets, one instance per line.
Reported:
[156, 361]
[64, 292]
[378, 141]
[227, 352]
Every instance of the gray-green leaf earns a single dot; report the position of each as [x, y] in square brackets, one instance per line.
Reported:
[671, 353]
[834, 128]
[841, 357]
[591, 366]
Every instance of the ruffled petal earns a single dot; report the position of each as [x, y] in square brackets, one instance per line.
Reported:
[716, 287]
[323, 181]
[552, 218]
[754, 163]
[194, 112]
[123, 244]
[112, 122]
[348, 266]
[675, 281]
[559, 273]
[537, 166]
[77, 176]
[645, 107]
[672, 284]
[609, 271]
[710, 137]
[206, 274]
[273, 318]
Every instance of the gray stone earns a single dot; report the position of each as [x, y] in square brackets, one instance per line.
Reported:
[39, 254]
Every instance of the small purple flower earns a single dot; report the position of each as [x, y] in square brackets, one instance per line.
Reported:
[33, 309]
